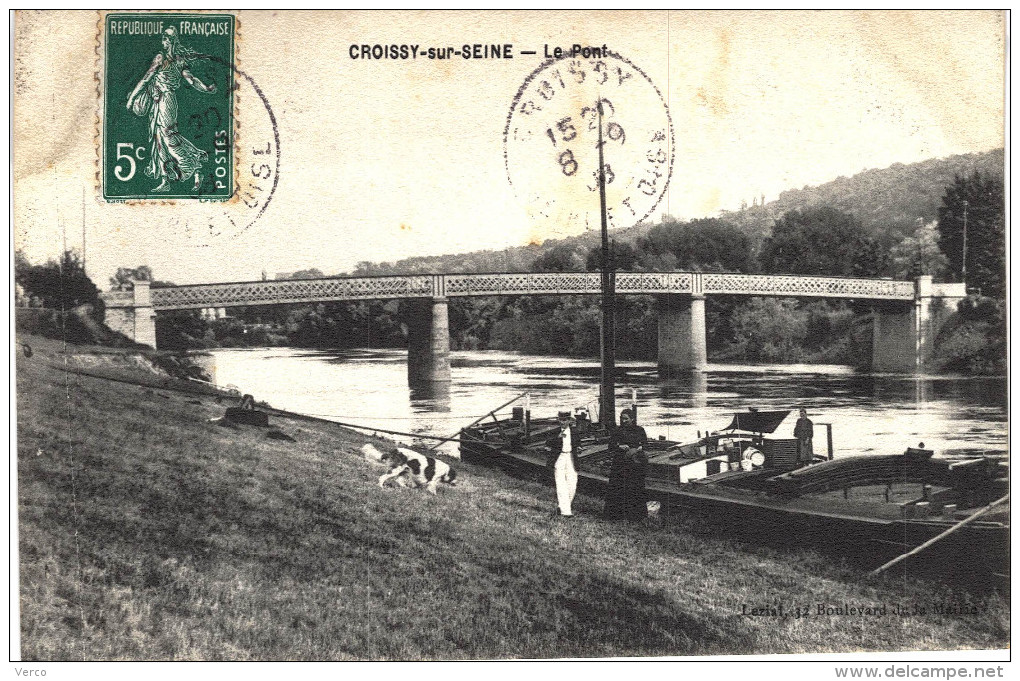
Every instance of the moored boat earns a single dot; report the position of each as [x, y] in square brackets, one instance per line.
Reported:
[751, 482]
[760, 485]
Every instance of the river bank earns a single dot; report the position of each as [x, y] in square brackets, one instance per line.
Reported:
[149, 532]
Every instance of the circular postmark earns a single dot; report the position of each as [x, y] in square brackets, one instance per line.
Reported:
[256, 146]
[551, 144]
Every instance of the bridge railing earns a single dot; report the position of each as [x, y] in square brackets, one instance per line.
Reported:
[292, 291]
[532, 283]
[548, 283]
[807, 286]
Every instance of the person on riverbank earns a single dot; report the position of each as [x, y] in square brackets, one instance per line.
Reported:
[625, 492]
[804, 431]
[563, 458]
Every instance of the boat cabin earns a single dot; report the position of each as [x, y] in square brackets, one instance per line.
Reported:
[744, 445]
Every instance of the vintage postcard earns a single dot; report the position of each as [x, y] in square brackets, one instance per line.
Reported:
[481, 335]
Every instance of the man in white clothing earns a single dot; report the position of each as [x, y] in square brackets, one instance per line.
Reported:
[563, 447]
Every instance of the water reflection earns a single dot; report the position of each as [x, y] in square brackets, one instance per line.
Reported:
[869, 413]
[922, 389]
[431, 397]
[690, 390]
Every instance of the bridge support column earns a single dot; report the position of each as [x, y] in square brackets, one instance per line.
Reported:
[894, 343]
[904, 337]
[428, 342]
[682, 344]
[137, 320]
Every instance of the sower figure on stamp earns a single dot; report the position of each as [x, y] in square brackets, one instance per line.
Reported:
[804, 431]
[171, 156]
[563, 460]
[625, 493]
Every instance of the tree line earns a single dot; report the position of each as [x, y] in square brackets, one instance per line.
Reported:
[819, 240]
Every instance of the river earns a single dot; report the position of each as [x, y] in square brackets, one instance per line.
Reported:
[869, 413]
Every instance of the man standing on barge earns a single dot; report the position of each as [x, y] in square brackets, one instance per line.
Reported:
[804, 431]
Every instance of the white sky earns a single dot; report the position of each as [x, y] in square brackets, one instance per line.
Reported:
[382, 160]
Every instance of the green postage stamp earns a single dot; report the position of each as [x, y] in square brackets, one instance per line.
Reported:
[168, 123]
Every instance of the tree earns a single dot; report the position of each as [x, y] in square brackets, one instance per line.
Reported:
[982, 198]
[566, 257]
[769, 330]
[622, 255]
[59, 284]
[919, 253]
[21, 263]
[311, 273]
[125, 278]
[708, 244]
[822, 241]
[975, 342]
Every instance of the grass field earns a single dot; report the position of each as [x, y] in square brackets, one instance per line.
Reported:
[149, 533]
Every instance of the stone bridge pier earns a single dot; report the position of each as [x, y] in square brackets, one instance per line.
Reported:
[428, 342]
[902, 342]
[904, 333]
[131, 313]
[683, 346]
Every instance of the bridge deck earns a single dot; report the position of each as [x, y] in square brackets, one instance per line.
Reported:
[512, 284]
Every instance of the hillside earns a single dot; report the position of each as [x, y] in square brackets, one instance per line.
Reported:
[511, 259]
[888, 202]
[148, 532]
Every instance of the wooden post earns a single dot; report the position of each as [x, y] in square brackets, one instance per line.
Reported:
[940, 537]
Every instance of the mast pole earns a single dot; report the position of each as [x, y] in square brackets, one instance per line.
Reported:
[608, 335]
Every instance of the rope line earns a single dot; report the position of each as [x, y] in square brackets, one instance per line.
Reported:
[404, 418]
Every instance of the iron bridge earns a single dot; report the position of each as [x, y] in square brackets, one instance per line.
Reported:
[515, 284]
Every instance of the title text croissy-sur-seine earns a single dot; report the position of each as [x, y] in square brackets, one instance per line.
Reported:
[402, 51]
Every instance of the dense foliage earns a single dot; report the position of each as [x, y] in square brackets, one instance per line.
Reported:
[888, 201]
[974, 342]
[919, 253]
[978, 203]
[822, 241]
[59, 284]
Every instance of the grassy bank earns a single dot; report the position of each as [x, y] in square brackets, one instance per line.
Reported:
[147, 532]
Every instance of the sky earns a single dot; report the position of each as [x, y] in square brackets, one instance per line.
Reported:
[385, 159]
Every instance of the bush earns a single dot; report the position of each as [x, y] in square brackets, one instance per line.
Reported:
[976, 343]
[769, 330]
[62, 285]
[979, 308]
[972, 348]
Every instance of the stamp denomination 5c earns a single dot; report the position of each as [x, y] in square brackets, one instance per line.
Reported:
[168, 122]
